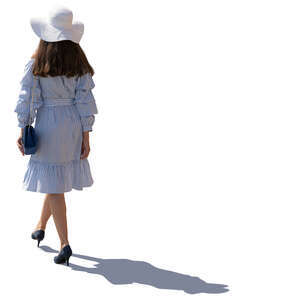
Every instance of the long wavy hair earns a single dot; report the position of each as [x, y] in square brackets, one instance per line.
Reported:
[60, 58]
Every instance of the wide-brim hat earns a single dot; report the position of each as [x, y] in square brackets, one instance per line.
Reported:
[58, 26]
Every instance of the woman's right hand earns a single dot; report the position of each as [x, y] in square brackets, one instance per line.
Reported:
[85, 146]
[20, 145]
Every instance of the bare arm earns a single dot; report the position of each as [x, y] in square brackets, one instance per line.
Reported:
[85, 147]
[19, 142]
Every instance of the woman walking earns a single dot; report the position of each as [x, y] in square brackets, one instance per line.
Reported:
[58, 79]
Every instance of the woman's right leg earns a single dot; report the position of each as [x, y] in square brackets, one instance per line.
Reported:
[45, 215]
[58, 209]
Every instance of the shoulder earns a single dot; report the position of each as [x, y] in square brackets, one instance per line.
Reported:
[29, 64]
[27, 72]
[85, 82]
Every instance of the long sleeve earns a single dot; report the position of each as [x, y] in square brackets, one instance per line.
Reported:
[85, 101]
[22, 107]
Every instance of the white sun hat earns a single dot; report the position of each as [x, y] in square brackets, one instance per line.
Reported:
[58, 26]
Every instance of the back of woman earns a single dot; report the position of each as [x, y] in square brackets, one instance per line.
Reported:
[58, 82]
[64, 109]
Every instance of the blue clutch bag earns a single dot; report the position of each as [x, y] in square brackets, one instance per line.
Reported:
[29, 136]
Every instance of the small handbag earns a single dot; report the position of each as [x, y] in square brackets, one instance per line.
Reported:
[29, 136]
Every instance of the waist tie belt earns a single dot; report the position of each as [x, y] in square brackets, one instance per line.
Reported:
[58, 101]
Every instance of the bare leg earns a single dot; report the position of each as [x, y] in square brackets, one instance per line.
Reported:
[58, 209]
[45, 215]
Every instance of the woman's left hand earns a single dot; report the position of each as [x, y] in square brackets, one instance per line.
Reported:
[20, 145]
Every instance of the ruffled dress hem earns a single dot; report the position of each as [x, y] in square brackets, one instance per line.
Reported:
[54, 178]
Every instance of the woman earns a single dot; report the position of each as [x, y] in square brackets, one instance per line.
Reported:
[58, 79]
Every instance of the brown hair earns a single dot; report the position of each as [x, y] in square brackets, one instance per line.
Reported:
[60, 58]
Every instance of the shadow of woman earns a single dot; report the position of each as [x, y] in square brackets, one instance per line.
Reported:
[125, 271]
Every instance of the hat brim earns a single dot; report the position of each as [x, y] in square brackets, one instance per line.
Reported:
[45, 31]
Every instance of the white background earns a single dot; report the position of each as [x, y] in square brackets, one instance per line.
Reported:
[194, 152]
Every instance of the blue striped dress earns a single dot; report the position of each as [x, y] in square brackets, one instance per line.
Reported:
[63, 109]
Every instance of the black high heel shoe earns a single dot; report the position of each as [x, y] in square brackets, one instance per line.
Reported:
[38, 235]
[63, 255]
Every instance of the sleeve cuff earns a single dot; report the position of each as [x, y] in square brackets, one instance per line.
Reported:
[87, 128]
[21, 125]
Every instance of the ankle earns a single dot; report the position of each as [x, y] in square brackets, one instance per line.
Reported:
[40, 225]
[63, 244]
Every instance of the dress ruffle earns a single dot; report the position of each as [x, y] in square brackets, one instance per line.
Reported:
[85, 101]
[24, 100]
[46, 177]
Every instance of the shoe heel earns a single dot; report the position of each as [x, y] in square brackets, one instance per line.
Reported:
[38, 235]
[67, 261]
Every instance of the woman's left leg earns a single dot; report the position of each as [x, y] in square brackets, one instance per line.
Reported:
[45, 215]
[59, 213]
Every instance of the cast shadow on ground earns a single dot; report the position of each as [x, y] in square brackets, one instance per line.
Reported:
[125, 271]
